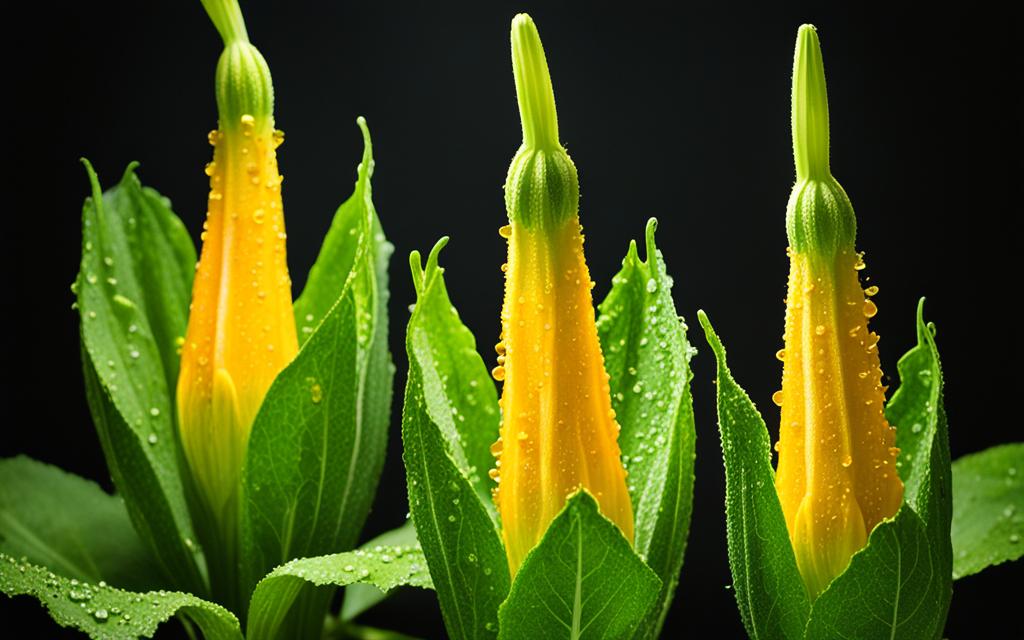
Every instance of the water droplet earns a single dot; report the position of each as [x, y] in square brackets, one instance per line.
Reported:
[780, 355]
[777, 398]
[916, 428]
[316, 393]
[258, 216]
[1014, 538]
[101, 615]
[847, 461]
[154, 412]
[349, 568]
[870, 291]
[870, 309]
[210, 168]
[652, 285]
[505, 231]
[819, 330]
[212, 137]
[152, 439]
[363, 573]
[451, 518]
[498, 373]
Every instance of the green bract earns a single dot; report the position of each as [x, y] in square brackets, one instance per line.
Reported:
[897, 586]
[451, 418]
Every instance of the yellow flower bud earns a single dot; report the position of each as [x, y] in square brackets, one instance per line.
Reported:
[558, 430]
[241, 330]
[836, 476]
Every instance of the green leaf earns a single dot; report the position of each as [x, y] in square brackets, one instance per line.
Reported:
[988, 508]
[900, 584]
[892, 588]
[317, 445]
[455, 524]
[769, 590]
[105, 612]
[459, 388]
[360, 597]
[647, 355]
[339, 251]
[583, 580]
[917, 411]
[69, 524]
[383, 567]
[133, 293]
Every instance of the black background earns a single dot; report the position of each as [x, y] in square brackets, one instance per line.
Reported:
[682, 114]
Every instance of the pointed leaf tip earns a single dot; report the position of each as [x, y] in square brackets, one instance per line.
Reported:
[651, 248]
[810, 107]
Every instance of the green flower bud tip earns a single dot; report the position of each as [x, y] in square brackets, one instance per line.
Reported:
[542, 187]
[244, 87]
[819, 217]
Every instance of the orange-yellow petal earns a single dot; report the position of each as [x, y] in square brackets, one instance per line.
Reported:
[558, 429]
[241, 329]
[837, 474]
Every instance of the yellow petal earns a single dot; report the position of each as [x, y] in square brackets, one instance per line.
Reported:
[836, 475]
[558, 429]
[241, 330]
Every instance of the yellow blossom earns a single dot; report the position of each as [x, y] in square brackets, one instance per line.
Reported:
[836, 475]
[241, 330]
[558, 430]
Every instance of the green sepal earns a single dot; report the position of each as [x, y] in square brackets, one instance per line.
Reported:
[64, 522]
[133, 290]
[581, 581]
[647, 356]
[243, 83]
[318, 442]
[447, 425]
[107, 613]
[542, 188]
[988, 508]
